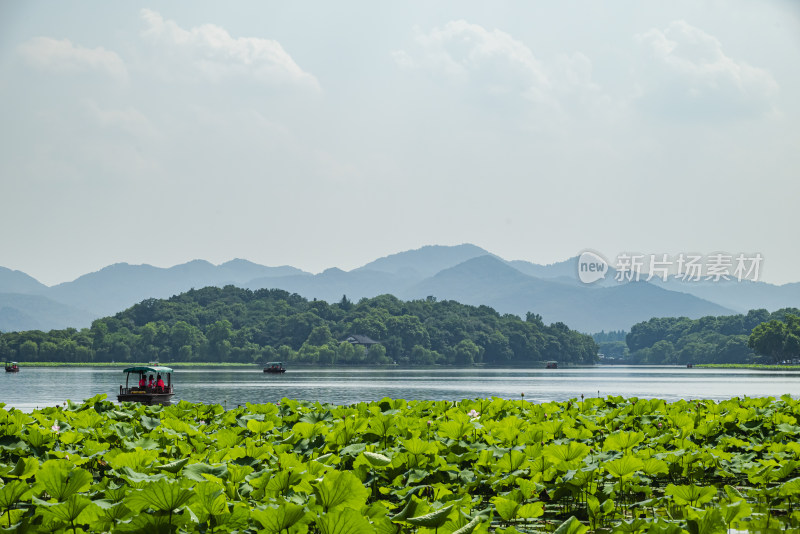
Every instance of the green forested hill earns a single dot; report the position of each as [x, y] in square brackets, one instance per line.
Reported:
[238, 325]
[680, 340]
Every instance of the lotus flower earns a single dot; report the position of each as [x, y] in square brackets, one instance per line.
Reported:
[474, 414]
[55, 428]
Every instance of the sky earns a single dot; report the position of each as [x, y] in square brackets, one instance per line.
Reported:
[322, 134]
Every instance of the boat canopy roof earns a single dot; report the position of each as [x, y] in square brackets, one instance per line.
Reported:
[274, 363]
[148, 369]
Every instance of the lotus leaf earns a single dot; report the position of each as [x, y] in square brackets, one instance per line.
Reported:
[11, 494]
[511, 462]
[75, 509]
[197, 471]
[112, 512]
[622, 441]
[138, 459]
[469, 527]
[735, 511]
[173, 467]
[376, 460]
[278, 518]
[23, 469]
[344, 521]
[506, 508]
[531, 510]
[455, 429]
[60, 480]
[36, 438]
[340, 489]
[417, 446]
[566, 452]
[708, 521]
[623, 467]
[433, 519]
[571, 526]
[161, 496]
[691, 494]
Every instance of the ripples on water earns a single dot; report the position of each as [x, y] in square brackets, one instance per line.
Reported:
[46, 386]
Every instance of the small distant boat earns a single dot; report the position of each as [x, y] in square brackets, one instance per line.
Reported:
[689, 365]
[551, 365]
[12, 367]
[274, 367]
[157, 393]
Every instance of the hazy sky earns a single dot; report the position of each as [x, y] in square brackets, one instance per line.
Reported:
[321, 134]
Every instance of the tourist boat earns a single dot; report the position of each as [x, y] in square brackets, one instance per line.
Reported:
[12, 367]
[147, 394]
[551, 365]
[274, 367]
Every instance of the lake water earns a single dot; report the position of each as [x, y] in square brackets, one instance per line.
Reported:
[47, 386]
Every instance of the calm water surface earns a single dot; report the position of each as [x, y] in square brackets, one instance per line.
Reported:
[46, 386]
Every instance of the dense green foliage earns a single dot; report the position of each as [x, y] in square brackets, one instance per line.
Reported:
[621, 465]
[238, 325]
[777, 341]
[724, 339]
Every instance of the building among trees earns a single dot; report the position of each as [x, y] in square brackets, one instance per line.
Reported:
[364, 341]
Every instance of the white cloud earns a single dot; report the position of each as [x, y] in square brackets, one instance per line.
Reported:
[211, 51]
[63, 56]
[687, 70]
[468, 53]
[493, 62]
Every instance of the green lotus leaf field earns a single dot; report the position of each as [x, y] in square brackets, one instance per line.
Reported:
[601, 465]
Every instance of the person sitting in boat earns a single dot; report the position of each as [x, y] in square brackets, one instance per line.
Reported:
[142, 381]
[160, 383]
[151, 383]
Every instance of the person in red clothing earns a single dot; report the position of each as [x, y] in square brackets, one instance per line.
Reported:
[160, 383]
[142, 381]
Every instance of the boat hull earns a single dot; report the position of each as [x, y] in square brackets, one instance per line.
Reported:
[146, 398]
[12, 370]
[275, 371]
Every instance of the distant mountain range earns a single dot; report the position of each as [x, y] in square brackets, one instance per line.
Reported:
[466, 273]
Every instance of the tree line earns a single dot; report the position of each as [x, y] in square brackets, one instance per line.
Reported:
[237, 325]
[756, 337]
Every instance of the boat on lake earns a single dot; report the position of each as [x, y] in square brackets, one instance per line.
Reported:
[274, 367]
[147, 391]
[551, 365]
[12, 367]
